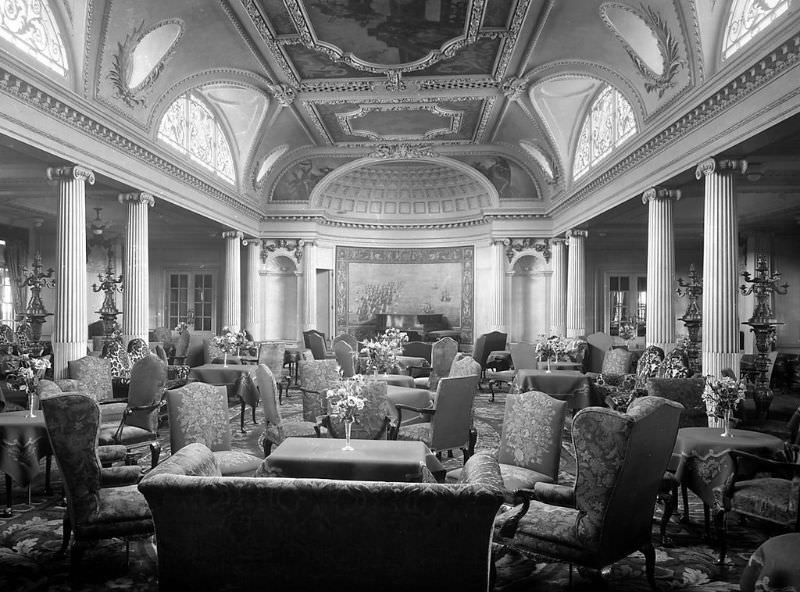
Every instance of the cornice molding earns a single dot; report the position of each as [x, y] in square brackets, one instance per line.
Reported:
[324, 221]
[776, 63]
[23, 91]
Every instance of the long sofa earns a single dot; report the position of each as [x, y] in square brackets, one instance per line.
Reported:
[239, 533]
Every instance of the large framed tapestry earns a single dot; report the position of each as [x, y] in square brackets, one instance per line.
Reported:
[371, 281]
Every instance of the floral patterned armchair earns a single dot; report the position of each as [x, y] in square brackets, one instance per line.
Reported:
[368, 535]
[316, 376]
[608, 513]
[616, 391]
[198, 412]
[94, 511]
[273, 354]
[93, 374]
[376, 421]
[277, 430]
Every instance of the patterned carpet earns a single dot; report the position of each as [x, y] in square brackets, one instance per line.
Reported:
[29, 540]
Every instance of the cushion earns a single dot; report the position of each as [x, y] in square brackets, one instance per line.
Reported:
[236, 463]
[515, 477]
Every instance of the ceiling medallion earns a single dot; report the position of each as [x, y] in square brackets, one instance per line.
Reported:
[474, 13]
[283, 93]
[347, 119]
[403, 151]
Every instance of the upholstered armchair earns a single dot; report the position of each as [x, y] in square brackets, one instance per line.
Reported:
[608, 513]
[138, 426]
[248, 393]
[277, 429]
[316, 376]
[450, 425]
[345, 357]
[94, 376]
[315, 341]
[599, 346]
[376, 421]
[443, 352]
[759, 488]
[273, 354]
[618, 390]
[486, 344]
[95, 510]
[676, 364]
[348, 339]
[316, 534]
[523, 357]
[198, 412]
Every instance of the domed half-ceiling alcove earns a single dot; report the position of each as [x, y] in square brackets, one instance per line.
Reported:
[529, 282]
[404, 190]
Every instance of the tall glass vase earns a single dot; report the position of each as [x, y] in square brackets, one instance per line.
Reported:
[348, 426]
[726, 424]
[548, 366]
[33, 402]
[225, 359]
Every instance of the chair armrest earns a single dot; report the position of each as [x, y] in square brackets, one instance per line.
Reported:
[745, 465]
[119, 476]
[554, 494]
[401, 406]
[111, 453]
[482, 469]
[112, 400]
[193, 459]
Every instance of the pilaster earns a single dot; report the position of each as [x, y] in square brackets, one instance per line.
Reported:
[576, 282]
[558, 287]
[136, 273]
[232, 302]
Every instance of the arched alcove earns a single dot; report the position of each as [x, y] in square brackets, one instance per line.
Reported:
[281, 289]
[529, 286]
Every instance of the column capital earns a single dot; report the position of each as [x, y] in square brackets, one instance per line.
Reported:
[137, 197]
[577, 233]
[233, 234]
[70, 173]
[252, 242]
[720, 165]
[559, 240]
[660, 193]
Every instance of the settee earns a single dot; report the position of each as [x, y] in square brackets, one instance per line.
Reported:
[236, 533]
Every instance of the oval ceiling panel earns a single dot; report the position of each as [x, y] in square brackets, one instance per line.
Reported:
[636, 33]
[150, 51]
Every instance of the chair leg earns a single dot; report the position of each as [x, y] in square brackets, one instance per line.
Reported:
[48, 463]
[649, 553]
[685, 496]
[66, 531]
[9, 497]
[491, 390]
[280, 393]
[720, 526]
[241, 418]
[670, 504]
[707, 521]
[254, 415]
[155, 453]
[473, 440]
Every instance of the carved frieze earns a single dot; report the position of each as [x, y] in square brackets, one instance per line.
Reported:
[520, 247]
[290, 247]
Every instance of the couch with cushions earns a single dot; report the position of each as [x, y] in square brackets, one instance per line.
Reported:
[305, 534]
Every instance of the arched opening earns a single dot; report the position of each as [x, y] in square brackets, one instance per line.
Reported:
[529, 285]
[281, 304]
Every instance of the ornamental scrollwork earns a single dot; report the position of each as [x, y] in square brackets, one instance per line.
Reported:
[403, 151]
[283, 93]
[294, 247]
[517, 246]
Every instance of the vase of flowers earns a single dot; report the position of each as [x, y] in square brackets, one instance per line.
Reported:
[381, 353]
[722, 396]
[627, 332]
[26, 378]
[230, 342]
[345, 401]
[548, 349]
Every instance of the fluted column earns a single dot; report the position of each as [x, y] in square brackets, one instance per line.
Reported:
[232, 302]
[253, 313]
[136, 273]
[70, 320]
[576, 283]
[310, 283]
[660, 320]
[720, 348]
[497, 289]
[558, 287]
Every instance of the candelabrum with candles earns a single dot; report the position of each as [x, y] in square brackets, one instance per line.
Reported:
[35, 279]
[109, 284]
[692, 318]
[763, 322]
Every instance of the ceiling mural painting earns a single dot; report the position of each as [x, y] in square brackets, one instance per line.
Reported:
[296, 181]
[508, 177]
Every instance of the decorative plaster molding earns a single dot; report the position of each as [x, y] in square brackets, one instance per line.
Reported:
[260, 23]
[403, 151]
[71, 173]
[461, 84]
[786, 56]
[513, 87]
[346, 120]
[577, 233]
[232, 234]
[291, 248]
[137, 197]
[394, 81]
[660, 193]
[324, 221]
[36, 98]
[720, 165]
[338, 86]
[283, 93]
[520, 247]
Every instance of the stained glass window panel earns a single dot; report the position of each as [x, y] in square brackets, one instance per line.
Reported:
[224, 160]
[31, 27]
[747, 19]
[173, 125]
[201, 133]
[626, 123]
[602, 115]
[582, 154]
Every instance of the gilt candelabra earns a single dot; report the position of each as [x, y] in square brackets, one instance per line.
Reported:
[110, 284]
[36, 279]
[763, 285]
[692, 318]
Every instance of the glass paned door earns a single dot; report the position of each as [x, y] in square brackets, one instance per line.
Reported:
[178, 299]
[191, 294]
[203, 302]
[627, 303]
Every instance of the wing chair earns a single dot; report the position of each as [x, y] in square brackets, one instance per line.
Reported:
[198, 412]
[486, 344]
[94, 376]
[316, 534]
[277, 430]
[345, 357]
[315, 341]
[607, 514]
[316, 376]
[93, 512]
[273, 354]
[443, 351]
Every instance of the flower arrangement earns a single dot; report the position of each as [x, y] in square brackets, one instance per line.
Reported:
[231, 341]
[382, 353]
[347, 399]
[181, 327]
[722, 395]
[27, 376]
[549, 348]
[627, 330]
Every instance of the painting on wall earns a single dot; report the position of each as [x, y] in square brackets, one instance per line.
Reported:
[372, 281]
[296, 182]
[509, 178]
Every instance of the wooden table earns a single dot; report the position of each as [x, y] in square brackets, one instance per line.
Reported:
[371, 460]
[566, 385]
[23, 442]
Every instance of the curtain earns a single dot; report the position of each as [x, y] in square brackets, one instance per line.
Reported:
[16, 256]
